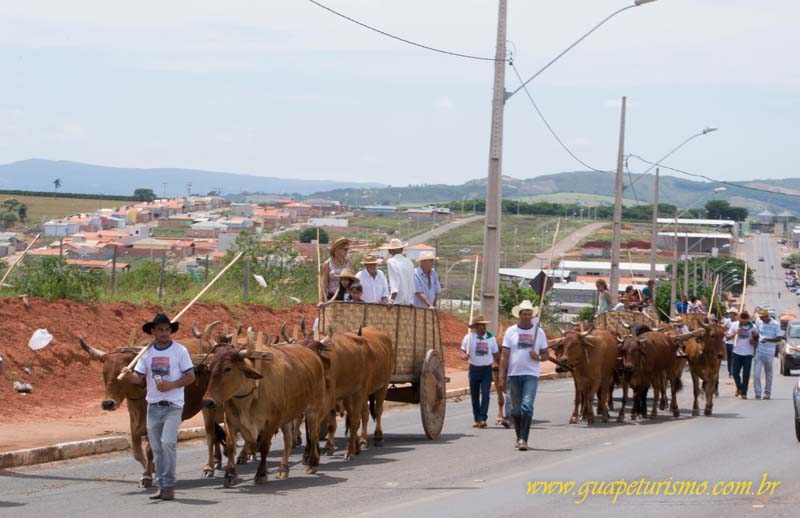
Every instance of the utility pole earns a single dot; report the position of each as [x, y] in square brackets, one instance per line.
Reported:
[686, 262]
[617, 237]
[674, 281]
[490, 273]
[654, 238]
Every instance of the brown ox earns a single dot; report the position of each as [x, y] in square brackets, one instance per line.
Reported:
[705, 349]
[650, 359]
[591, 355]
[360, 366]
[290, 382]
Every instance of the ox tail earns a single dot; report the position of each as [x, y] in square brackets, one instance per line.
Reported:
[219, 433]
[372, 406]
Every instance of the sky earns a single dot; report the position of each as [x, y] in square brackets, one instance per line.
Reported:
[284, 88]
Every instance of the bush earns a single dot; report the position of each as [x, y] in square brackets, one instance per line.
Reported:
[310, 234]
[585, 315]
[39, 277]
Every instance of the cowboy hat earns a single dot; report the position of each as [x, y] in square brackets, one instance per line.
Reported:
[525, 304]
[480, 319]
[733, 310]
[763, 313]
[348, 274]
[427, 255]
[338, 243]
[160, 318]
[394, 244]
[371, 259]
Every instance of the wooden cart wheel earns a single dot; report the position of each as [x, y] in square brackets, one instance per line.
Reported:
[432, 394]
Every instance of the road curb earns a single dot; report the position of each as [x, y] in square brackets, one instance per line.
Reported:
[75, 449]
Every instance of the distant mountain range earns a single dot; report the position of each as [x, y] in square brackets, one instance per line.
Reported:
[676, 191]
[39, 175]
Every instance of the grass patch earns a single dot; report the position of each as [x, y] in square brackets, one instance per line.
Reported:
[42, 209]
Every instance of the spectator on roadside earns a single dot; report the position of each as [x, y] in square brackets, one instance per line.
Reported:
[694, 305]
[769, 334]
[524, 346]
[373, 281]
[681, 306]
[603, 296]
[401, 274]
[648, 292]
[703, 305]
[745, 335]
[479, 347]
[333, 266]
[426, 282]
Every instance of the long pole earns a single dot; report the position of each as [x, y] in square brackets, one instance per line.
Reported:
[686, 263]
[616, 241]
[11, 268]
[177, 317]
[654, 238]
[674, 280]
[490, 275]
[713, 291]
[472, 298]
[319, 271]
[744, 289]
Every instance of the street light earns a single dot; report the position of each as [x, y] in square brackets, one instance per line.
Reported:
[706, 131]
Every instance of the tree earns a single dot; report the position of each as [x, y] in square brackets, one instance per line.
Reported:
[7, 219]
[310, 234]
[22, 212]
[10, 204]
[56, 184]
[144, 195]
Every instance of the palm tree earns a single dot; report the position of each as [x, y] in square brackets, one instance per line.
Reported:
[56, 184]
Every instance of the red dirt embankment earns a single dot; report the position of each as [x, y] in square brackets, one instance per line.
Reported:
[65, 381]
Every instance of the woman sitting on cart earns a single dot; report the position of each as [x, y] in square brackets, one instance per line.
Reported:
[346, 280]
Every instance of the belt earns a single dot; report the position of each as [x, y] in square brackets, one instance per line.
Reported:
[161, 403]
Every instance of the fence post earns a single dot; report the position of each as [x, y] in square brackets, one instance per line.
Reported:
[205, 282]
[161, 275]
[246, 277]
[114, 272]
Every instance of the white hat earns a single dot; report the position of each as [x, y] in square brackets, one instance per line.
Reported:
[395, 244]
[525, 304]
[426, 255]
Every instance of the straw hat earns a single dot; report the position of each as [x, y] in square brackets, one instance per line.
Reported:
[427, 255]
[348, 274]
[480, 319]
[733, 310]
[394, 244]
[338, 243]
[763, 313]
[525, 304]
[371, 259]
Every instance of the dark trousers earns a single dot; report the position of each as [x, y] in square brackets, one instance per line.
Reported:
[741, 365]
[480, 384]
[640, 405]
[729, 348]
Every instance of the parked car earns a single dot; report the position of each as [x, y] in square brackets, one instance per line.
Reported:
[790, 354]
[796, 398]
[761, 259]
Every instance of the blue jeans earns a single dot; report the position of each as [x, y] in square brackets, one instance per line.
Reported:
[729, 350]
[763, 360]
[523, 393]
[480, 384]
[162, 432]
[742, 364]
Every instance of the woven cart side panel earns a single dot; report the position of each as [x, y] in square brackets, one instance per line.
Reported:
[614, 319]
[692, 320]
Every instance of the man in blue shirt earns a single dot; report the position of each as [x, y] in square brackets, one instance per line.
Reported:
[769, 333]
[426, 282]
[682, 305]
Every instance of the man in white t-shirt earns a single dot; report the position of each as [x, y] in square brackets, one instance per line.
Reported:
[480, 348]
[401, 275]
[373, 281]
[166, 367]
[524, 346]
[744, 335]
[769, 333]
[733, 316]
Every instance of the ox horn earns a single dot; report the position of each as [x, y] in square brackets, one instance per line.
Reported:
[586, 333]
[208, 334]
[359, 330]
[703, 325]
[251, 336]
[242, 353]
[283, 333]
[303, 327]
[94, 353]
[625, 324]
[619, 340]
[657, 330]
[329, 336]
[195, 331]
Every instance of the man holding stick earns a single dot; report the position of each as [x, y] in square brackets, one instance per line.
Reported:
[167, 368]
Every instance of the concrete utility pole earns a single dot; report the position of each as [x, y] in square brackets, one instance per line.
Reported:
[674, 281]
[490, 273]
[654, 236]
[686, 262]
[617, 237]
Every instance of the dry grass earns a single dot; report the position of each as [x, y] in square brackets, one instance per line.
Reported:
[41, 209]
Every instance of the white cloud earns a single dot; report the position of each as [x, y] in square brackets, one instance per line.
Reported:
[444, 103]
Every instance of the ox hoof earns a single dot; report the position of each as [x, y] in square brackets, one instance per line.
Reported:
[328, 451]
[260, 478]
[145, 482]
[218, 465]
[573, 420]
[230, 480]
[376, 442]
[363, 443]
[605, 418]
[590, 421]
[208, 473]
[707, 411]
[282, 475]
[242, 460]
[676, 413]
[311, 470]
[621, 419]
[695, 412]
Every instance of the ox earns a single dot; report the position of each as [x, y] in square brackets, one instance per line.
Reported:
[591, 355]
[705, 349]
[289, 383]
[650, 360]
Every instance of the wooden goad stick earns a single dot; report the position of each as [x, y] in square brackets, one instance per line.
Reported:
[472, 299]
[238, 256]
[711, 302]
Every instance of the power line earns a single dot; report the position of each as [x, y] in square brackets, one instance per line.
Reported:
[723, 182]
[398, 38]
[547, 124]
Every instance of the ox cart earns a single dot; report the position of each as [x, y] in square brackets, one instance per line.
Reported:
[418, 376]
[615, 321]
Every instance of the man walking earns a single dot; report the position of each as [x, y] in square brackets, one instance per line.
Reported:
[166, 367]
[733, 316]
[744, 335]
[373, 281]
[524, 346]
[479, 347]
[769, 333]
[426, 282]
[401, 275]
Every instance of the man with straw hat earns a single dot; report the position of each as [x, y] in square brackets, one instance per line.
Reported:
[401, 274]
[166, 367]
[769, 334]
[524, 346]
[426, 282]
[479, 347]
[733, 317]
[373, 281]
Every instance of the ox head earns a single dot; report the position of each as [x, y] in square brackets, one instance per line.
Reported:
[113, 362]
[633, 349]
[232, 374]
[573, 349]
[710, 339]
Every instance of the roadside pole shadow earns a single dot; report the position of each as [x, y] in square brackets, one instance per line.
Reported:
[11, 504]
[31, 476]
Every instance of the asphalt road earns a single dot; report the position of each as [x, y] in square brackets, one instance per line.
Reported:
[469, 472]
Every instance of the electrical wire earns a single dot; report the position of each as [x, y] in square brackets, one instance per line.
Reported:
[547, 124]
[398, 38]
[723, 182]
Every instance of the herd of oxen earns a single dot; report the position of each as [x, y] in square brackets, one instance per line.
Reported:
[257, 386]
